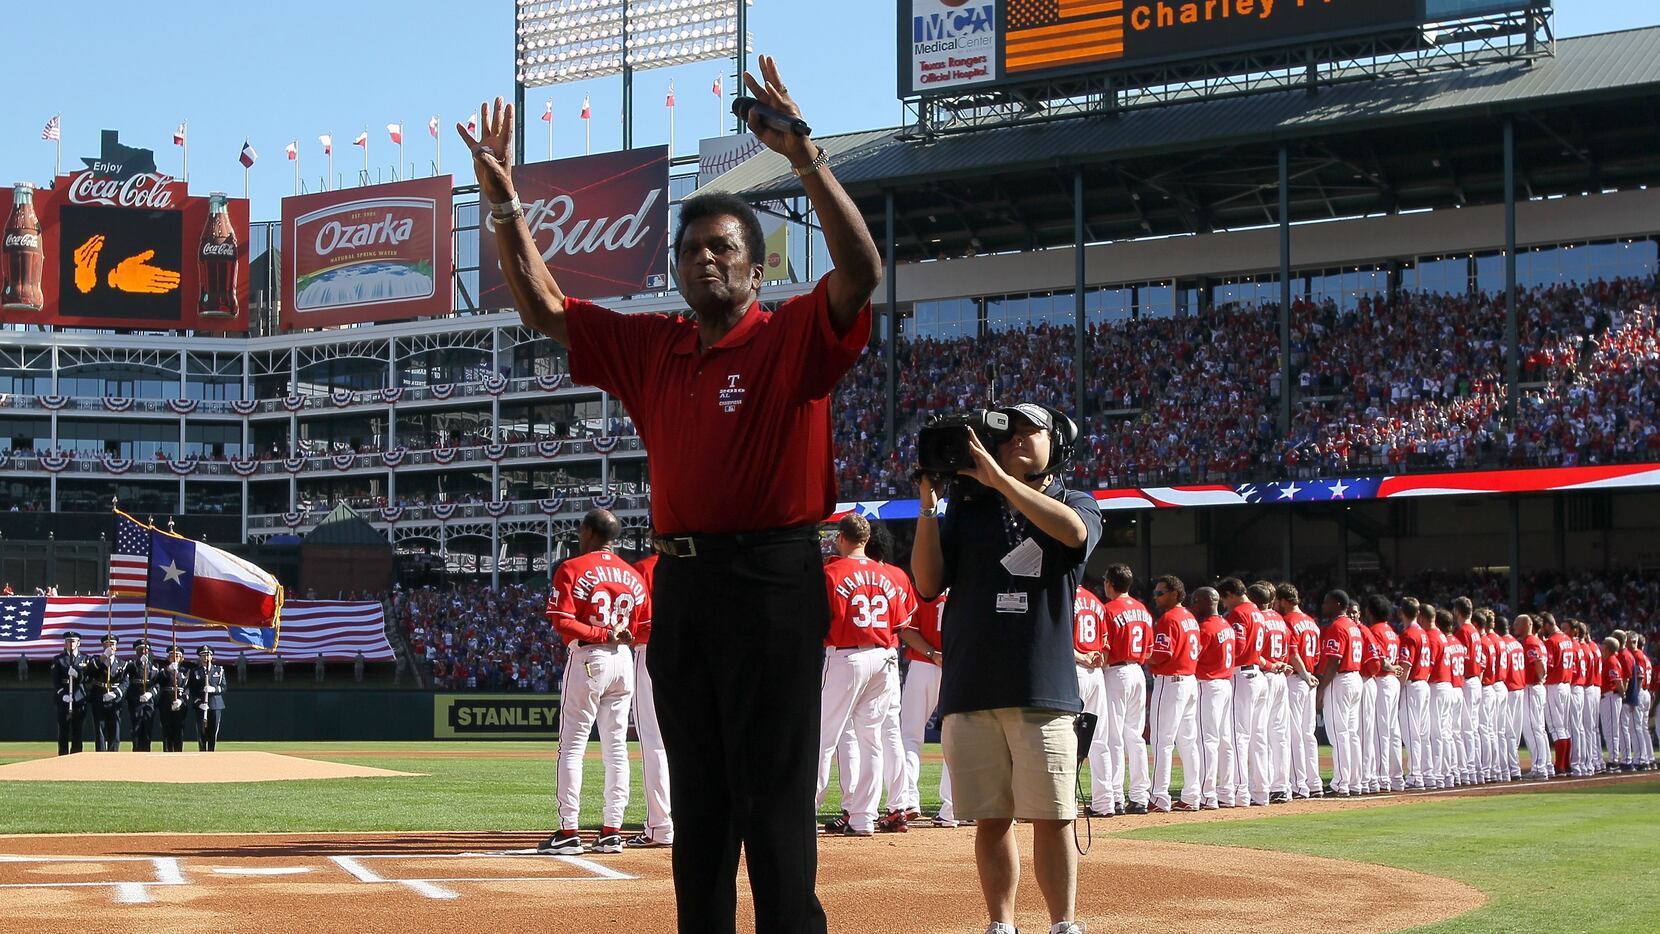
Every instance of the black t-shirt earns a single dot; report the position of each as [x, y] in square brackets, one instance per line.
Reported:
[1009, 659]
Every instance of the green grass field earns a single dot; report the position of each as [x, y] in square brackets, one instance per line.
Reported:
[1580, 860]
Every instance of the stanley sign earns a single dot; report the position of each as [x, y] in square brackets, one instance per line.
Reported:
[495, 716]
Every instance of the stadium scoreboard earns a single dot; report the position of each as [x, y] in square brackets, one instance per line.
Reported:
[960, 46]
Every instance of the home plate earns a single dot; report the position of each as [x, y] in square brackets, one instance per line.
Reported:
[261, 870]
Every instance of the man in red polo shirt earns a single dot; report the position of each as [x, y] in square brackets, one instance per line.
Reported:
[1129, 642]
[733, 405]
[1175, 701]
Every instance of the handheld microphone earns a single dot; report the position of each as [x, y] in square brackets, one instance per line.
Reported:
[742, 107]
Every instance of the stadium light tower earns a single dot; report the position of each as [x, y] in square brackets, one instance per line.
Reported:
[559, 41]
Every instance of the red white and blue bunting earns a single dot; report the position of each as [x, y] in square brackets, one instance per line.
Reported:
[244, 406]
[394, 457]
[117, 403]
[391, 395]
[550, 449]
[6, 458]
[552, 504]
[343, 461]
[244, 467]
[293, 403]
[55, 463]
[495, 509]
[495, 451]
[442, 390]
[294, 464]
[182, 406]
[341, 397]
[391, 514]
[495, 384]
[293, 518]
[443, 511]
[117, 465]
[183, 468]
[550, 383]
[606, 444]
[605, 501]
[443, 455]
[52, 401]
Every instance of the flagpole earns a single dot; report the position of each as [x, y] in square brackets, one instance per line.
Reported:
[57, 164]
[399, 173]
[185, 147]
[588, 131]
[296, 166]
[671, 120]
[438, 148]
[365, 155]
[550, 131]
[245, 182]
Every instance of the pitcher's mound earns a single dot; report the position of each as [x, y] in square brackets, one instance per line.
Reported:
[182, 768]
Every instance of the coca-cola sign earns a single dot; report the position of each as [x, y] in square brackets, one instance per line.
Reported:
[379, 253]
[599, 222]
[151, 190]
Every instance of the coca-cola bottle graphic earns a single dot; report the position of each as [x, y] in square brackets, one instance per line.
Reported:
[24, 260]
[216, 263]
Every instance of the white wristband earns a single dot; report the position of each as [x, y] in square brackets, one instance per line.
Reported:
[506, 210]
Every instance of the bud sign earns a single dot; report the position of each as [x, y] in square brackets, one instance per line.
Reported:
[600, 223]
[379, 253]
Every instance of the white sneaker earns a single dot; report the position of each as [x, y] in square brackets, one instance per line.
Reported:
[998, 927]
[1068, 927]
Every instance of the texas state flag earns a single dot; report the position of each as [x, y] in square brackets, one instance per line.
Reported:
[194, 582]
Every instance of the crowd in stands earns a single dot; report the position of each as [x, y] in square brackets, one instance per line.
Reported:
[1407, 382]
[474, 637]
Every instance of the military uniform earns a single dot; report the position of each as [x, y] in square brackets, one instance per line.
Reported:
[142, 695]
[106, 686]
[207, 695]
[172, 701]
[68, 694]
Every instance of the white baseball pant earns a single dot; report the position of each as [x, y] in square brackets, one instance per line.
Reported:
[1343, 729]
[1305, 746]
[1175, 712]
[1368, 734]
[1515, 705]
[855, 696]
[1559, 709]
[1390, 776]
[1126, 719]
[1469, 728]
[598, 686]
[1215, 741]
[1576, 729]
[1491, 725]
[1536, 705]
[1250, 769]
[1593, 745]
[892, 741]
[1416, 716]
[1610, 715]
[654, 762]
[1647, 703]
[1092, 689]
[917, 700]
[1444, 734]
[1279, 734]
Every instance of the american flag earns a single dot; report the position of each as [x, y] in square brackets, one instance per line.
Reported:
[1059, 33]
[52, 130]
[130, 558]
[337, 630]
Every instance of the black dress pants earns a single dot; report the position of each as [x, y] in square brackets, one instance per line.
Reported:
[207, 729]
[172, 729]
[143, 720]
[737, 645]
[106, 725]
[71, 723]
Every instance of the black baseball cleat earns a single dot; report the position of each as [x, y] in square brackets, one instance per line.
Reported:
[1091, 812]
[641, 841]
[1135, 807]
[836, 825]
[893, 822]
[1279, 797]
[563, 843]
[609, 841]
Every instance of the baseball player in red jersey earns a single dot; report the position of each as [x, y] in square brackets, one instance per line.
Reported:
[1469, 727]
[1129, 642]
[595, 601]
[1371, 668]
[654, 763]
[1413, 659]
[1276, 664]
[890, 737]
[1585, 694]
[1248, 762]
[1443, 717]
[1614, 679]
[918, 698]
[1301, 686]
[1458, 666]
[1089, 636]
[1375, 612]
[868, 601]
[1342, 650]
[1536, 709]
[1559, 678]
[1492, 700]
[1651, 678]
[1175, 701]
[1515, 683]
[1214, 671]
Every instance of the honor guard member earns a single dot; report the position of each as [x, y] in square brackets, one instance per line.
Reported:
[106, 681]
[142, 672]
[173, 699]
[69, 692]
[207, 694]
[733, 404]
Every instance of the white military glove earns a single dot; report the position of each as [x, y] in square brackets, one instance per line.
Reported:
[177, 705]
[67, 699]
[109, 696]
[145, 697]
[203, 707]
[212, 690]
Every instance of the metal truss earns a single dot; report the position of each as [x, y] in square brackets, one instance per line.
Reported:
[73, 357]
[369, 349]
[31, 358]
[214, 363]
[1501, 37]
[270, 362]
[472, 339]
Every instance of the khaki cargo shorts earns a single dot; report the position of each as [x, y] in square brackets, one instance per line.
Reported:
[1012, 762]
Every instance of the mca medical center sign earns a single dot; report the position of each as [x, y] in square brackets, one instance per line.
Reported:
[947, 44]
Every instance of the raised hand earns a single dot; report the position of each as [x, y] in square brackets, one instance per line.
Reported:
[492, 150]
[770, 91]
[86, 263]
[135, 274]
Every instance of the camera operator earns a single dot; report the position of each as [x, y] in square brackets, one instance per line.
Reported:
[1012, 550]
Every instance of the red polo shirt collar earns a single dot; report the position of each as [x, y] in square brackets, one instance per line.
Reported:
[741, 333]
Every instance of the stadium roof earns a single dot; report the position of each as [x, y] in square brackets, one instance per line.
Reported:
[1586, 119]
[343, 526]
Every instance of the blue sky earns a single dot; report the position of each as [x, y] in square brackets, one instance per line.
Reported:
[275, 72]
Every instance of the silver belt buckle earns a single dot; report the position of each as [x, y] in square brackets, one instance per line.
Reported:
[680, 546]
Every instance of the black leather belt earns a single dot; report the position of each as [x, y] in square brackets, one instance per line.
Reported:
[695, 546]
[1120, 664]
[1248, 668]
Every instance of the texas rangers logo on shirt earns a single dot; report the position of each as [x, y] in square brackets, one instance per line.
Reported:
[732, 395]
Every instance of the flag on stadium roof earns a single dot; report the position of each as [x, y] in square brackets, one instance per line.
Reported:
[53, 128]
[196, 583]
[362, 139]
[432, 127]
[587, 110]
[178, 134]
[669, 101]
[327, 140]
[395, 130]
[129, 557]
[547, 111]
[248, 156]
[293, 150]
